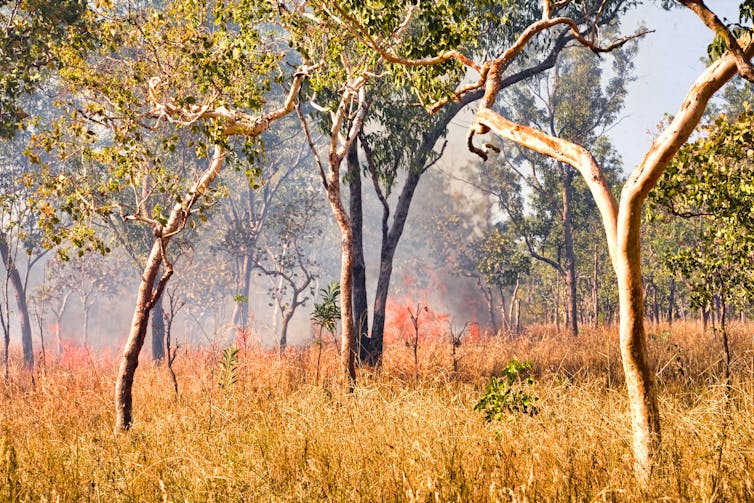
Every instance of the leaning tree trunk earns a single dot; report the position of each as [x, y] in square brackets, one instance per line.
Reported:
[149, 294]
[145, 300]
[390, 239]
[23, 309]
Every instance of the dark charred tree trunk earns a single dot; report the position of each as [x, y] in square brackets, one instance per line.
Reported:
[390, 238]
[20, 293]
[360, 305]
[570, 257]
[671, 302]
[158, 331]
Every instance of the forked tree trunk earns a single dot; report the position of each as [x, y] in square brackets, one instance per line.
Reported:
[150, 290]
[623, 228]
[390, 238]
[331, 180]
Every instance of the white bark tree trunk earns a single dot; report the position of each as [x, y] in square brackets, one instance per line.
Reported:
[623, 229]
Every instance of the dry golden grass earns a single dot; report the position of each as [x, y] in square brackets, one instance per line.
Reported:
[276, 435]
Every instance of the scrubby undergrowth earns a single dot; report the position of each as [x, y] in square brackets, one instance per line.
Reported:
[271, 433]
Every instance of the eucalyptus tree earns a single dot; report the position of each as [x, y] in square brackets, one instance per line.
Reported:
[28, 31]
[88, 277]
[621, 218]
[398, 132]
[348, 66]
[203, 68]
[19, 241]
[573, 103]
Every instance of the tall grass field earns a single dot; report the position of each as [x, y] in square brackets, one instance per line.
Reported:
[259, 426]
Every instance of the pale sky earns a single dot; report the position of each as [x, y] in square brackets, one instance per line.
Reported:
[669, 61]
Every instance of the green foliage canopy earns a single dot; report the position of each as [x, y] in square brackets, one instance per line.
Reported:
[712, 181]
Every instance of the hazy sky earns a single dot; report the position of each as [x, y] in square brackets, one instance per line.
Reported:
[669, 61]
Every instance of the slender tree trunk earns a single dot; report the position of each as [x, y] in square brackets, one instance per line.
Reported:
[655, 306]
[570, 257]
[283, 342]
[240, 317]
[139, 322]
[148, 294]
[390, 239]
[513, 325]
[490, 299]
[380, 304]
[23, 309]
[276, 309]
[347, 339]
[58, 333]
[595, 288]
[158, 331]
[58, 329]
[85, 321]
[557, 301]
[360, 305]
[671, 302]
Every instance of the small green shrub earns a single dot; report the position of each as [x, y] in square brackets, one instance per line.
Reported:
[229, 368]
[508, 394]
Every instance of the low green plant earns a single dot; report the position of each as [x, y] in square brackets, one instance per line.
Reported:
[229, 367]
[509, 394]
[327, 312]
